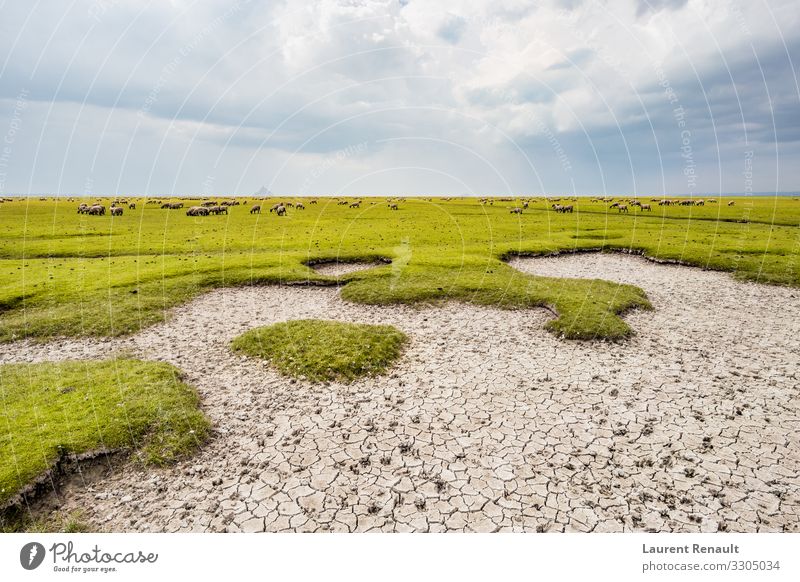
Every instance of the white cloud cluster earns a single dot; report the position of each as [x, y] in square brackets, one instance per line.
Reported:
[449, 96]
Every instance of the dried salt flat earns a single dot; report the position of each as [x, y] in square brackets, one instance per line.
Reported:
[488, 423]
[337, 269]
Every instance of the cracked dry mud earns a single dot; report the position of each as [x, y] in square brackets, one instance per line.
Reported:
[487, 423]
[337, 269]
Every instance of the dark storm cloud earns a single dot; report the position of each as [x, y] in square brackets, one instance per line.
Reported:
[750, 95]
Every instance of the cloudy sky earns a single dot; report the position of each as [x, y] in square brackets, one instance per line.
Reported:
[399, 96]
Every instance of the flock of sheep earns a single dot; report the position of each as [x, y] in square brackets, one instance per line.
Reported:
[211, 207]
[100, 210]
[621, 206]
[280, 207]
[208, 207]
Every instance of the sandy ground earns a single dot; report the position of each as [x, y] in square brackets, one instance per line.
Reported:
[487, 423]
[338, 269]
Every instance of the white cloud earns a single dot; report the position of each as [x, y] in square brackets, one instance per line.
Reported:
[297, 80]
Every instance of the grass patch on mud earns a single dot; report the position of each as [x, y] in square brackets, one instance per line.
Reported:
[49, 411]
[324, 350]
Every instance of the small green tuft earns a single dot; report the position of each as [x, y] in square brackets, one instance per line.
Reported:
[324, 350]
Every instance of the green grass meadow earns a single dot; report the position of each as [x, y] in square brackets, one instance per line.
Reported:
[65, 274]
[51, 410]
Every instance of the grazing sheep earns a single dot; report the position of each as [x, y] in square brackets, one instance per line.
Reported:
[622, 208]
[280, 210]
[218, 210]
[97, 210]
[300, 206]
[256, 209]
[731, 203]
[313, 202]
[83, 208]
[197, 211]
[393, 207]
[275, 207]
[615, 205]
[355, 205]
[700, 203]
[132, 206]
[516, 210]
[116, 211]
[525, 204]
[646, 207]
